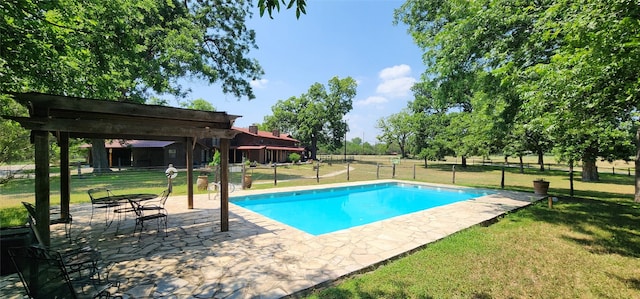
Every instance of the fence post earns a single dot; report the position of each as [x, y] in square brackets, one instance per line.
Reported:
[79, 169]
[414, 171]
[628, 171]
[454, 174]
[347, 171]
[393, 173]
[318, 173]
[571, 179]
[378, 171]
[275, 174]
[244, 174]
[502, 180]
[613, 170]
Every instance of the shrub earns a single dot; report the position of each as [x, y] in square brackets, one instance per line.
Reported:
[294, 157]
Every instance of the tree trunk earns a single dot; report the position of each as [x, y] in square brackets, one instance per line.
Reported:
[637, 197]
[521, 164]
[314, 147]
[589, 170]
[571, 179]
[464, 161]
[541, 160]
[425, 162]
[99, 154]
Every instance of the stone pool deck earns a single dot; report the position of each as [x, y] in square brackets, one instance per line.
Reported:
[258, 257]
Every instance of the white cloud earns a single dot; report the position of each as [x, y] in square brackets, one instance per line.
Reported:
[398, 87]
[373, 100]
[396, 81]
[262, 83]
[396, 71]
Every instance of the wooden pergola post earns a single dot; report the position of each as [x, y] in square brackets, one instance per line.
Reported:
[189, 150]
[224, 185]
[41, 144]
[65, 175]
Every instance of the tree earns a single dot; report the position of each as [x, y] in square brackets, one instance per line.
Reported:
[568, 66]
[637, 196]
[121, 49]
[590, 87]
[397, 128]
[316, 116]
[198, 104]
[124, 50]
[431, 122]
[271, 5]
[14, 142]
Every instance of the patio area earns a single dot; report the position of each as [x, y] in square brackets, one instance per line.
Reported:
[257, 257]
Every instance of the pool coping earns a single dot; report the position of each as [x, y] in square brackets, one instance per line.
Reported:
[486, 208]
[245, 200]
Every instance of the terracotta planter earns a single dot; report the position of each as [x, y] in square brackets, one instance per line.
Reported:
[247, 181]
[202, 182]
[540, 187]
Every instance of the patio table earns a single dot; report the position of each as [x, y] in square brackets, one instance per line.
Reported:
[123, 199]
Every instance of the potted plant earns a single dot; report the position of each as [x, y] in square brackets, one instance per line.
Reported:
[540, 187]
[246, 179]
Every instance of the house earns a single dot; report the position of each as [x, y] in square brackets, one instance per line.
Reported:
[263, 147]
[249, 144]
[151, 153]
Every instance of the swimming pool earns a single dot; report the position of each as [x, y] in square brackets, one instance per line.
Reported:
[322, 211]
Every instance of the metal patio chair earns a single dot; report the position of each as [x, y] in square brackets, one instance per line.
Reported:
[156, 204]
[82, 260]
[215, 186]
[44, 275]
[102, 198]
[142, 215]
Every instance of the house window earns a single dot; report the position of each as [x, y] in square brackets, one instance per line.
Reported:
[172, 153]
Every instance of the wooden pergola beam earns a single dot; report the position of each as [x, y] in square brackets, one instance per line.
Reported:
[70, 117]
[106, 107]
[111, 128]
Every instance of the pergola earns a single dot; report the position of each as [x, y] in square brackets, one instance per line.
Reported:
[69, 117]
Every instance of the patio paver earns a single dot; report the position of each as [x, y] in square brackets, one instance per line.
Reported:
[258, 257]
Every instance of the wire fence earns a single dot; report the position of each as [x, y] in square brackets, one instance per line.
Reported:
[330, 169]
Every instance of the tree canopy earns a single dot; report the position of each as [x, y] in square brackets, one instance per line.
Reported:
[316, 117]
[397, 128]
[125, 50]
[560, 74]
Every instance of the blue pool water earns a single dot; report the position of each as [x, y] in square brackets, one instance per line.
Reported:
[327, 210]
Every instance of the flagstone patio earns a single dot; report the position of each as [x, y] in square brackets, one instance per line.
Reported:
[257, 257]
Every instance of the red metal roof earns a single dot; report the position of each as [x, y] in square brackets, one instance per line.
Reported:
[284, 148]
[283, 136]
[251, 147]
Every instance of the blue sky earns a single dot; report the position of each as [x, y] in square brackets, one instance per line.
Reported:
[354, 38]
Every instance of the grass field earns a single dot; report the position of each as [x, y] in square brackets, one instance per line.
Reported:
[579, 249]
[583, 247]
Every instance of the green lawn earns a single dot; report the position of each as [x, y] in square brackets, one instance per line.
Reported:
[581, 248]
[586, 247]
